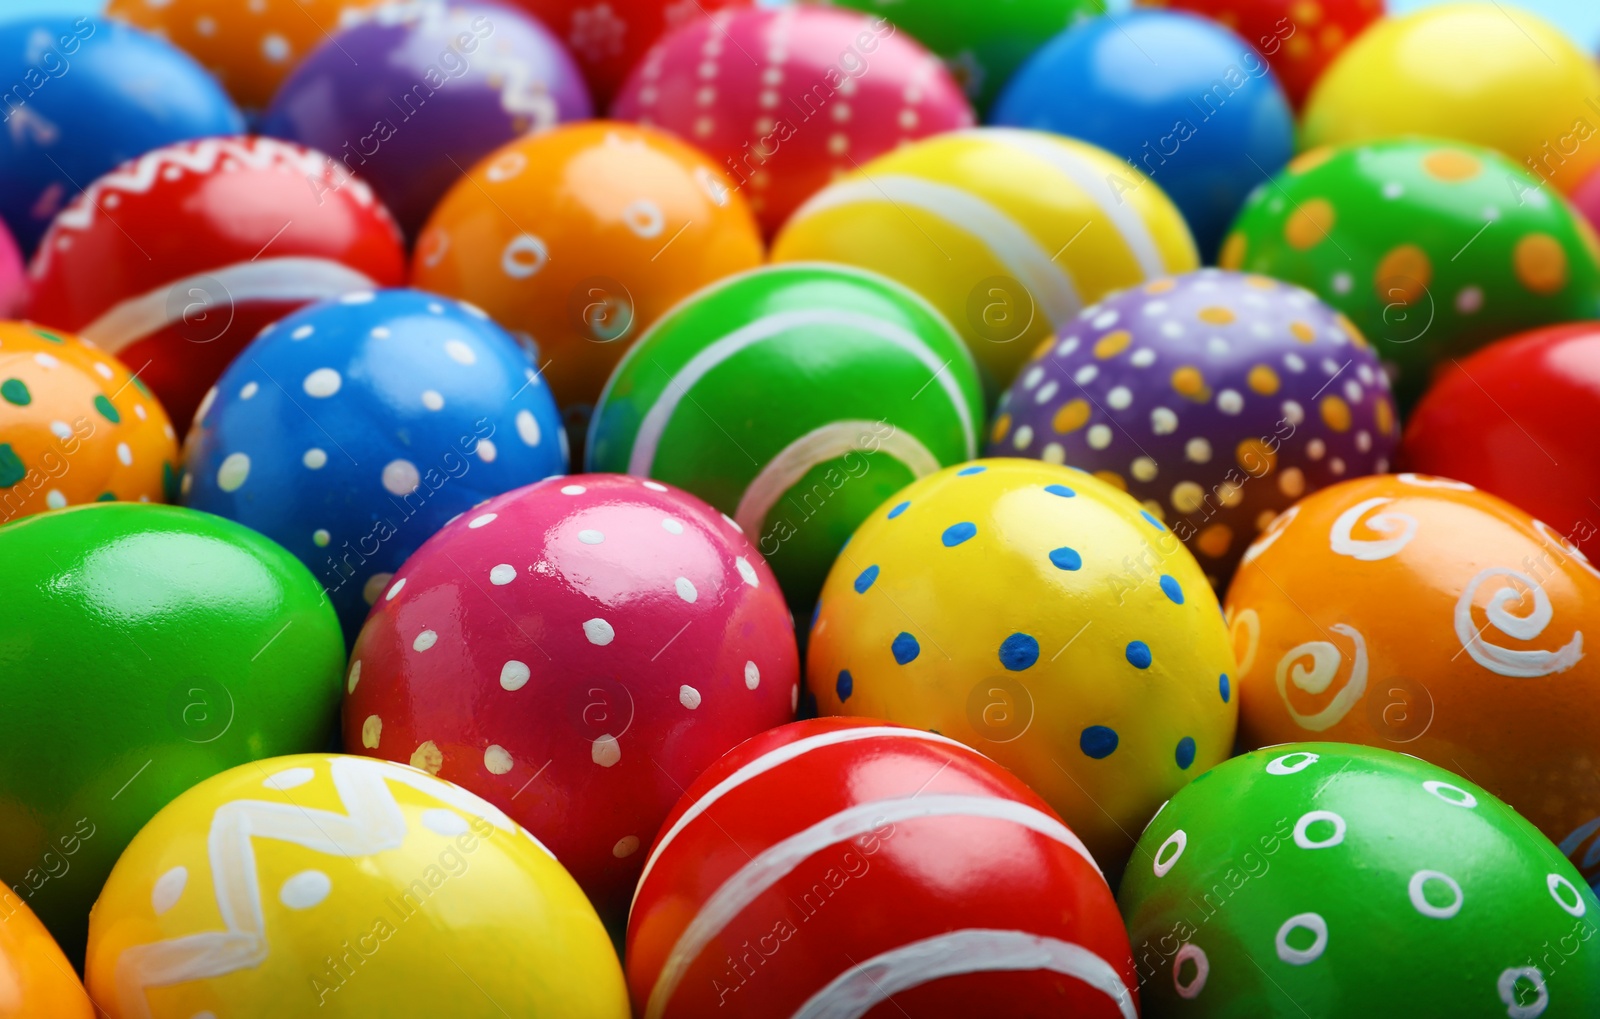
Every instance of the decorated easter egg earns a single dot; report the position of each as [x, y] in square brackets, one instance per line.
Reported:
[902, 867]
[1420, 614]
[147, 648]
[1038, 614]
[576, 652]
[794, 399]
[1323, 879]
[784, 100]
[630, 220]
[352, 430]
[1214, 398]
[250, 48]
[13, 281]
[75, 426]
[1431, 248]
[175, 260]
[1298, 39]
[1485, 73]
[1185, 102]
[608, 37]
[1505, 420]
[85, 94]
[38, 980]
[1009, 233]
[410, 95]
[289, 887]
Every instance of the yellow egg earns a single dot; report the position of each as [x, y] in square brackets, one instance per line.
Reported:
[327, 885]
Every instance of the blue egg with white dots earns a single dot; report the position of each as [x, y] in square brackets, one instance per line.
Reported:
[905, 648]
[1172, 589]
[352, 430]
[1098, 741]
[955, 534]
[1138, 654]
[866, 578]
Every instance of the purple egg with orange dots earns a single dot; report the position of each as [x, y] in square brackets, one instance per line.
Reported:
[1214, 398]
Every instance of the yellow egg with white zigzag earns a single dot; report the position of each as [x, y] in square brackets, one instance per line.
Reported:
[341, 886]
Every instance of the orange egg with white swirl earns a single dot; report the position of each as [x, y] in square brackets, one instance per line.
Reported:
[1420, 614]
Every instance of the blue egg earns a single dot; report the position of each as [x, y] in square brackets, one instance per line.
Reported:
[1189, 104]
[955, 534]
[899, 509]
[352, 430]
[1098, 741]
[1139, 654]
[905, 648]
[1019, 651]
[1171, 589]
[1066, 558]
[844, 685]
[1185, 752]
[865, 579]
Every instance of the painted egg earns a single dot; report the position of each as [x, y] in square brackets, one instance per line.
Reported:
[576, 651]
[795, 399]
[148, 647]
[745, 86]
[1186, 390]
[903, 867]
[1040, 615]
[75, 426]
[410, 95]
[13, 280]
[1298, 39]
[1503, 420]
[1009, 233]
[1523, 88]
[352, 430]
[249, 53]
[1431, 248]
[72, 112]
[630, 221]
[608, 37]
[175, 260]
[1419, 614]
[1187, 103]
[1353, 881]
[289, 886]
[36, 980]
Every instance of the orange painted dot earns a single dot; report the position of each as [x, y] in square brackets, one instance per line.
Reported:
[1302, 331]
[1403, 275]
[1307, 12]
[1336, 413]
[1214, 540]
[1311, 159]
[1540, 263]
[1351, 328]
[1188, 381]
[1232, 254]
[1298, 47]
[1112, 344]
[1112, 478]
[1256, 457]
[1451, 165]
[1308, 225]
[1385, 416]
[1002, 425]
[1073, 415]
[1331, 38]
[1160, 286]
[1263, 380]
[1215, 315]
[1043, 346]
[1261, 282]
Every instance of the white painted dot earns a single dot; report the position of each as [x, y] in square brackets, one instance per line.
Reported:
[1293, 413]
[61, 430]
[320, 537]
[487, 451]
[305, 889]
[591, 537]
[400, 477]
[1099, 436]
[1105, 320]
[625, 847]
[275, 47]
[250, 389]
[1316, 448]
[527, 428]
[1393, 189]
[513, 675]
[443, 822]
[358, 297]
[1229, 401]
[1162, 862]
[1053, 453]
[1144, 357]
[233, 472]
[1556, 884]
[689, 697]
[374, 586]
[1294, 362]
[1342, 282]
[1163, 421]
[395, 589]
[686, 589]
[1085, 375]
[1120, 398]
[1067, 346]
[1469, 300]
[1451, 794]
[124, 454]
[497, 759]
[168, 889]
[605, 751]
[1143, 469]
[1047, 392]
[482, 520]
[1319, 939]
[599, 631]
[747, 571]
[752, 676]
[460, 353]
[380, 333]
[315, 459]
[732, 523]
[573, 490]
[46, 361]
[354, 677]
[502, 574]
[290, 778]
[432, 400]
[323, 382]
[1198, 450]
[655, 486]
[671, 526]
[301, 333]
[425, 640]
[1032, 377]
[1022, 437]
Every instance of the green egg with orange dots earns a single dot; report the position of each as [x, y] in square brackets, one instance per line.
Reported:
[1432, 248]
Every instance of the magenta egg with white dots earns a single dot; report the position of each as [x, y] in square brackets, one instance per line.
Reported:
[576, 652]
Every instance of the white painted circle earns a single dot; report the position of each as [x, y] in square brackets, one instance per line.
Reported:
[1457, 796]
[1302, 837]
[1281, 765]
[1555, 882]
[1202, 969]
[1302, 921]
[523, 257]
[1179, 841]
[1507, 987]
[1419, 882]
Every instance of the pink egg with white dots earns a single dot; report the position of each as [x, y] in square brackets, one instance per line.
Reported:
[576, 652]
[787, 99]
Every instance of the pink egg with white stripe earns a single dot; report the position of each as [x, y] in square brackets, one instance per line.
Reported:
[576, 652]
[825, 867]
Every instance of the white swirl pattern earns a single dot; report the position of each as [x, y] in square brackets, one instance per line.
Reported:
[1524, 664]
[1272, 533]
[1367, 550]
[1325, 659]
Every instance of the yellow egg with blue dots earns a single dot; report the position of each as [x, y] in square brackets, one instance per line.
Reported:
[1045, 618]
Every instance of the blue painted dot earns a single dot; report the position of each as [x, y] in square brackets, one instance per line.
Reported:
[976, 469]
[866, 578]
[844, 685]
[1185, 754]
[1223, 688]
[1158, 525]
[816, 610]
[1018, 651]
[955, 534]
[1066, 558]
[1098, 741]
[1169, 587]
[899, 509]
[1138, 654]
[905, 648]
[1061, 490]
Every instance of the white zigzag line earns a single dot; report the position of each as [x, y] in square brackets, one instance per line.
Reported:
[372, 824]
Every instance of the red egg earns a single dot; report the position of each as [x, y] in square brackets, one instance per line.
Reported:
[1511, 419]
[173, 261]
[787, 99]
[576, 652]
[825, 866]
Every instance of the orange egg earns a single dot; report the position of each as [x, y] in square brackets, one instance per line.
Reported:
[75, 426]
[1422, 615]
[36, 981]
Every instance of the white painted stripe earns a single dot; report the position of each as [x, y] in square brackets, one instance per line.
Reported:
[776, 758]
[1016, 249]
[270, 279]
[645, 443]
[818, 446]
[855, 992]
[773, 864]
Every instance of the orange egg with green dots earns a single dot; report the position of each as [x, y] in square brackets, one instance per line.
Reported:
[76, 426]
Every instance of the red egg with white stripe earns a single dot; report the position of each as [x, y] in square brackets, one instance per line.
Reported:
[576, 652]
[175, 260]
[836, 868]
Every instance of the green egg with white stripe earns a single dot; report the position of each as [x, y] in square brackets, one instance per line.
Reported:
[1009, 232]
[795, 399]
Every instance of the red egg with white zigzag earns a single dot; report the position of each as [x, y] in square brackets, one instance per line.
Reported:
[901, 864]
[175, 260]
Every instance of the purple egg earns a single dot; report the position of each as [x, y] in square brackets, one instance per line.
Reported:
[1215, 398]
[409, 96]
